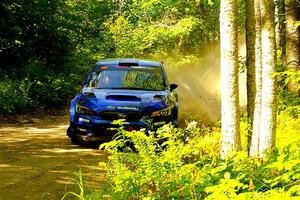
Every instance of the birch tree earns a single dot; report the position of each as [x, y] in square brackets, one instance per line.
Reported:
[230, 140]
[254, 147]
[268, 102]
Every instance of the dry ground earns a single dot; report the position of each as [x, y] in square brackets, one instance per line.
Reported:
[37, 160]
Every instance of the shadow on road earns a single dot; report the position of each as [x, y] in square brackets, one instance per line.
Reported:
[37, 159]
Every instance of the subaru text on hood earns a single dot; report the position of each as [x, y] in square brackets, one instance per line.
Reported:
[136, 91]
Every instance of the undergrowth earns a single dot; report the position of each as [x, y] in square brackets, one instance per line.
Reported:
[176, 163]
[27, 94]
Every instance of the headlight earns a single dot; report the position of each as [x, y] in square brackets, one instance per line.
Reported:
[163, 112]
[83, 110]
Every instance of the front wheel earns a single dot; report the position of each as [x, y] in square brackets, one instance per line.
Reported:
[175, 123]
[175, 117]
[74, 140]
[72, 135]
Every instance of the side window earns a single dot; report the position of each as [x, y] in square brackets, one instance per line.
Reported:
[93, 80]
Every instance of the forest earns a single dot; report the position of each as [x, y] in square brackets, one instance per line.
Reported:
[249, 151]
[47, 48]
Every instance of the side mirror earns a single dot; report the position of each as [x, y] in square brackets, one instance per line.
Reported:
[173, 86]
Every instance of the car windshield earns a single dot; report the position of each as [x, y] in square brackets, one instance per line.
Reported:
[135, 77]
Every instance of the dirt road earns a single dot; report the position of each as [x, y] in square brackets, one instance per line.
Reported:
[37, 160]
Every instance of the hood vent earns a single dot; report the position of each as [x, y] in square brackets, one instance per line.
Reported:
[123, 98]
[159, 97]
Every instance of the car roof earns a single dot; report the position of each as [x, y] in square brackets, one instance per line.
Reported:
[128, 61]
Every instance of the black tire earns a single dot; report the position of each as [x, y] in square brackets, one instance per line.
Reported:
[175, 123]
[175, 120]
[74, 140]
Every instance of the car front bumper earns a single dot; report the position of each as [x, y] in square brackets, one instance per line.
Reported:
[92, 128]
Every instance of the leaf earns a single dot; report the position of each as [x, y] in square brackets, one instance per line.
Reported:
[227, 175]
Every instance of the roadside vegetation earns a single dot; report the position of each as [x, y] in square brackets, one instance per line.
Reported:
[187, 165]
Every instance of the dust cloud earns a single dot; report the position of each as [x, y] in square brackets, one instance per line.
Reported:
[199, 86]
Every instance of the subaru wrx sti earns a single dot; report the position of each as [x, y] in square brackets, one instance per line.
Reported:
[136, 91]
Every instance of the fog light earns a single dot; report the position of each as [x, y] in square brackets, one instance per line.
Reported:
[89, 134]
[82, 129]
[83, 120]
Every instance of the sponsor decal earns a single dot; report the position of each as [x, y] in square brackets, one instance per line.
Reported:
[127, 108]
[122, 108]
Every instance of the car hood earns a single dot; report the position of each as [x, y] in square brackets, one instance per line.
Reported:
[123, 100]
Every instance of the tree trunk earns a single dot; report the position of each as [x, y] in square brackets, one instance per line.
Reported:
[254, 148]
[250, 65]
[268, 110]
[230, 140]
[280, 27]
[292, 40]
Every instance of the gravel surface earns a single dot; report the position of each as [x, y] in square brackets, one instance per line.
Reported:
[38, 161]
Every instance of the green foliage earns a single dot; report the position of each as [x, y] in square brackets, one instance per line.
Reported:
[151, 28]
[59, 37]
[78, 180]
[12, 99]
[84, 23]
[42, 92]
[185, 164]
[290, 76]
[31, 29]
[288, 129]
[288, 102]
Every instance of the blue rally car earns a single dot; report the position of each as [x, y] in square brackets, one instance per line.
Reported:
[134, 90]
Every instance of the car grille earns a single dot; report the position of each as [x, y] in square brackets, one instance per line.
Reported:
[104, 130]
[128, 116]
